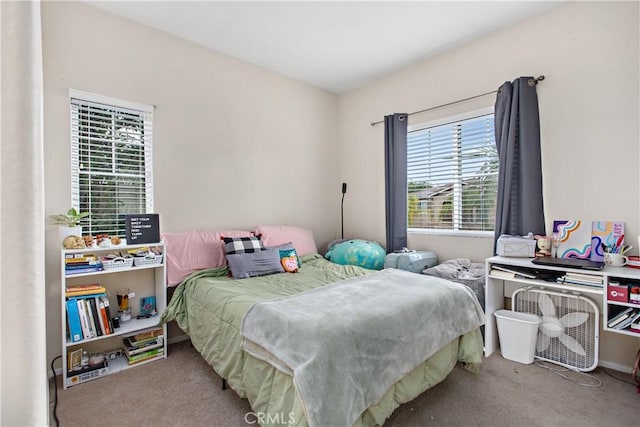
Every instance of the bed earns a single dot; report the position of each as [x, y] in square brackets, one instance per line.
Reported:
[222, 317]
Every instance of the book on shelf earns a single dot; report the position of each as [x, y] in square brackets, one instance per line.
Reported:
[80, 263]
[133, 351]
[87, 373]
[83, 269]
[90, 315]
[79, 257]
[107, 311]
[137, 338]
[83, 287]
[574, 281]
[73, 321]
[88, 292]
[135, 345]
[581, 276]
[502, 274]
[150, 354]
[619, 317]
[513, 272]
[95, 303]
[104, 319]
[74, 360]
[84, 318]
[633, 316]
[93, 317]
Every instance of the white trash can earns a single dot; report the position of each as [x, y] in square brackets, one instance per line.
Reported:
[517, 332]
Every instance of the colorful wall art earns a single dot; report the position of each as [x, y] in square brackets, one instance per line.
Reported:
[604, 233]
[575, 238]
[579, 239]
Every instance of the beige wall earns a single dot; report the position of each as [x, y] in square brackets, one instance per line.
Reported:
[589, 113]
[234, 145]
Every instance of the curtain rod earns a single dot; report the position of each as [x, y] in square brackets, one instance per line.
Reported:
[532, 82]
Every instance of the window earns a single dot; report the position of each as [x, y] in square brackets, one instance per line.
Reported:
[452, 173]
[111, 161]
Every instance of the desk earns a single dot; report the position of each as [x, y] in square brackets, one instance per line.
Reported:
[497, 288]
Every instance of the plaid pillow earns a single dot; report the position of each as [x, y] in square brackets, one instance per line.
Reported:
[242, 245]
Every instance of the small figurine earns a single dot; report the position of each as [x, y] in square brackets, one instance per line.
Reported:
[544, 244]
[88, 241]
[73, 242]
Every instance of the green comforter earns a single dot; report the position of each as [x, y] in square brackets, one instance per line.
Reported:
[209, 307]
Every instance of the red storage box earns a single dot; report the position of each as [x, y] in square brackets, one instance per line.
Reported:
[634, 294]
[617, 293]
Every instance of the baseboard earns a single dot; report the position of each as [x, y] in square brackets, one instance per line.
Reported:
[184, 337]
[615, 366]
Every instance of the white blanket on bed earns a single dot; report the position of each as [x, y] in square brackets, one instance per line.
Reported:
[347, 343]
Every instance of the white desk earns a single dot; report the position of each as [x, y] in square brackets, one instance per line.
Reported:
[497, 288]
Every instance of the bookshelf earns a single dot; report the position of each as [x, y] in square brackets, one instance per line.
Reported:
[499, 286]
[144, 278]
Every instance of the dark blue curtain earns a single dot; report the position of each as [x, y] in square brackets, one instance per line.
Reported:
[519, 206]
[395, 148]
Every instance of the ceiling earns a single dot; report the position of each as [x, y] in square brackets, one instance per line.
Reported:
[337, 46]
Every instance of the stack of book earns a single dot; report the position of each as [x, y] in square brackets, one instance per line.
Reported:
[88, 313]
[144, 346]
[581, 279]
[81, 263]
[624, 319]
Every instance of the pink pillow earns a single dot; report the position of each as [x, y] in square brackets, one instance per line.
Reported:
[195, 250]
[301, 238]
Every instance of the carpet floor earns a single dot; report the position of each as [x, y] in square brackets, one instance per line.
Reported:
[183, 390]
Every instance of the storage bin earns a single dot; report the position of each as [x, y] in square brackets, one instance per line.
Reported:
[147, 260]
[517, 333]
[414, 261]
[117, 263]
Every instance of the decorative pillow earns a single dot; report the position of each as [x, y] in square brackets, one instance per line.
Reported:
[289, 260]
[251, 264]
[195, 250]
[242, 245]
[301, 238]
[285, 251]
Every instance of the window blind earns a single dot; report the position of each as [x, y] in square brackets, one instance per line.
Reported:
[452, 175]
[111, 161]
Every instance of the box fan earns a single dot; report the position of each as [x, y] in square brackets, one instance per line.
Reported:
[568, 333]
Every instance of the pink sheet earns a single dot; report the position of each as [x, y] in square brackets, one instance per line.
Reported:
[191, 251]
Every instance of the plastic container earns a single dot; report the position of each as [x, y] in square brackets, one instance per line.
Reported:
[517, 332]
[147, 260]
[117, 263]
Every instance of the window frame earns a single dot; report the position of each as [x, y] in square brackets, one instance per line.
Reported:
[467, 115]
[146, 111]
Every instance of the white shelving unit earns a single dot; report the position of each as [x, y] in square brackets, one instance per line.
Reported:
[143, 280]
[497, 288]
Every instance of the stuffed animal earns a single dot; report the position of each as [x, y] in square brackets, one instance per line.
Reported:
[289, 260]
[362, 253]
[290, 264]
[73, 242]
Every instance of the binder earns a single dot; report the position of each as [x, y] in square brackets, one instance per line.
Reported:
[73, 319]
[84, 319]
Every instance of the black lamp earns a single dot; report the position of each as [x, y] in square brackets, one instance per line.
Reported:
[344, 191]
